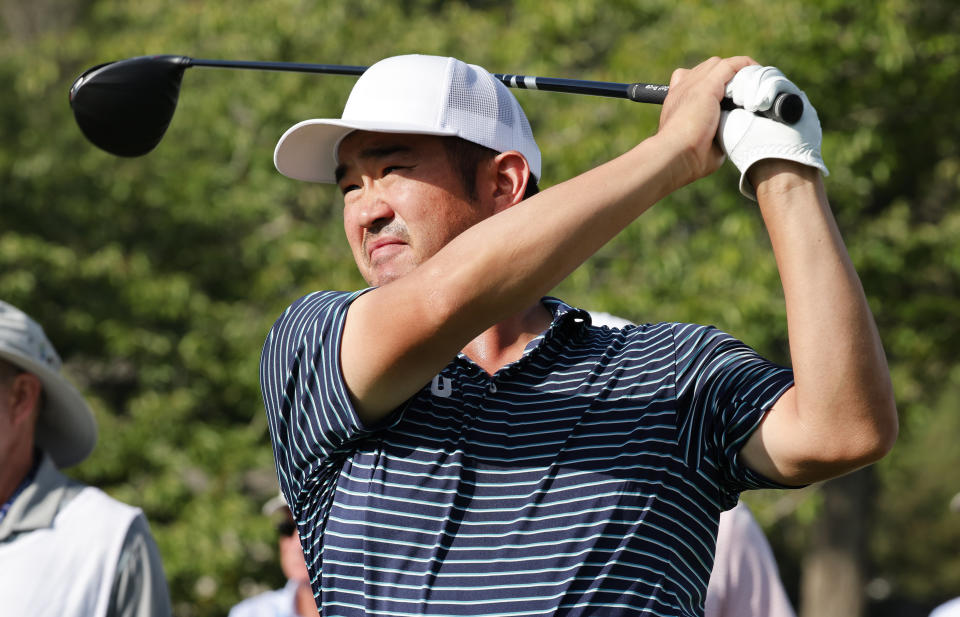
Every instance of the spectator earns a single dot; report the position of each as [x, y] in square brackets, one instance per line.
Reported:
[295, 599]
[66, 549]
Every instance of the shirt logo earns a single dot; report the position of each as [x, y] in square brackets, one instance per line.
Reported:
[441, 387]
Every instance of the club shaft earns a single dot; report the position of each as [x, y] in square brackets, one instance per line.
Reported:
[787, 108]
[296, 67]
[638, 92]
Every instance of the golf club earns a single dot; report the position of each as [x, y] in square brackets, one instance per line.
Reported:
[125, 107]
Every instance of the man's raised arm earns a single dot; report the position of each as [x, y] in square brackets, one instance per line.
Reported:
[840, 414]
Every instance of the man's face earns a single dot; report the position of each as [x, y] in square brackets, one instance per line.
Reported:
[7, 434]
[291, 559]
[20, 395]
[402, 201]
[291, 551]
[9, 430]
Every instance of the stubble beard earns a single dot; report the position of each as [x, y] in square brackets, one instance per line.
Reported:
[395, 229]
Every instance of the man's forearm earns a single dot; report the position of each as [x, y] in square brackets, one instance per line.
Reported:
[844, 406]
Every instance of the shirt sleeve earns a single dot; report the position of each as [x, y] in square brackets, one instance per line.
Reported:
[724, 388]
[309, 413]
[139, 586]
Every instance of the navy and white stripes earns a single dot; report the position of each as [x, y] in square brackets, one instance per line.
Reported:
[588, 475]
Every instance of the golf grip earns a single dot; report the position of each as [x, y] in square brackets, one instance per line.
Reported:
[786, 108]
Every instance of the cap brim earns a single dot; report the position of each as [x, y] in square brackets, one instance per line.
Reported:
[66, 427]
[274, 504]
[308, 150]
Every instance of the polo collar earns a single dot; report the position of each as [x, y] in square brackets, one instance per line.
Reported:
[566, 321]
[564, 313]
[38, 504]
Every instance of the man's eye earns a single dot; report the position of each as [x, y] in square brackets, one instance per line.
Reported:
[350, 187]
[390, 168]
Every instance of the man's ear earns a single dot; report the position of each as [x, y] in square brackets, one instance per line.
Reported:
[511, 175]
[25, 393]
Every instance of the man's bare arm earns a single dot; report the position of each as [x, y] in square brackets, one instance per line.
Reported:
[840, 414]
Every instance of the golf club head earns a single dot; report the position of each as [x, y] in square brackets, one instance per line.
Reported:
[125, 107]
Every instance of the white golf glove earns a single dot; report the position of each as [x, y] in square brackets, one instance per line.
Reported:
[747, 138]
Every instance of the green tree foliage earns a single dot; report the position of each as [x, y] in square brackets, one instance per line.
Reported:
[158, 277]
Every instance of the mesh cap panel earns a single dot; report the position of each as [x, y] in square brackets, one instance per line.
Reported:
[484, 111]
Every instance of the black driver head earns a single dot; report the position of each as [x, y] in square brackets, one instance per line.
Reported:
[125, 107]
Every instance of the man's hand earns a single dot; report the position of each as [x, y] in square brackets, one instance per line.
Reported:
[691, 116]
[747, 138]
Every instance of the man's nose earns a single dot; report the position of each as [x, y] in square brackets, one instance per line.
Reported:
[373, 210]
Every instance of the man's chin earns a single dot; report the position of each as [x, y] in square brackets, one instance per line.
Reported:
[383, 277]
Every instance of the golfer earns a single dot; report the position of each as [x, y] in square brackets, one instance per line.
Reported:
[452, 442]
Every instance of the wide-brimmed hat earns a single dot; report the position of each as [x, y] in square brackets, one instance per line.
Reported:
[424, 95]
[66, 428]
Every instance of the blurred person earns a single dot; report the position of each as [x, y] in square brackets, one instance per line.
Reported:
[295, 599]
[453, 441]
[66, 549]
[745, 580]
[950, 608]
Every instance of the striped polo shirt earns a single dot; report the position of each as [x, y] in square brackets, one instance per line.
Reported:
[586, 478]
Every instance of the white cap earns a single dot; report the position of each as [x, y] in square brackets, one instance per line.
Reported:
[275, 504]
[426, 95]
[66, 428]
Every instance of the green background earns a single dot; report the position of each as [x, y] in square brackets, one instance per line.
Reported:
[157, 277]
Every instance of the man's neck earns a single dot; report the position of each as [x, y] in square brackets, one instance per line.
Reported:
[505, 342]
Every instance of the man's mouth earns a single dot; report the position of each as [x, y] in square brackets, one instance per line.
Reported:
[382, 247]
